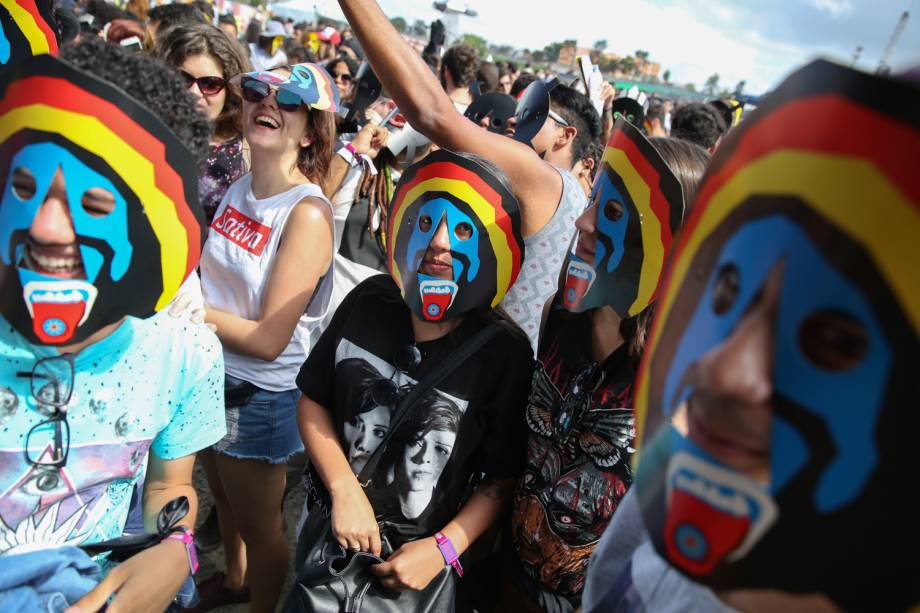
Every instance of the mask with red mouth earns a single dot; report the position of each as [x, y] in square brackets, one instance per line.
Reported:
[127, 260]
[788, 330]
[640, 207]
[485, 261]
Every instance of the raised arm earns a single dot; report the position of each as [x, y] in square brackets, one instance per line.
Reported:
[302, 259]
[419, 96]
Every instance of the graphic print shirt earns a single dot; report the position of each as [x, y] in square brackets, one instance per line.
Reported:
[152, 384]
[471, 425]
[581, 427]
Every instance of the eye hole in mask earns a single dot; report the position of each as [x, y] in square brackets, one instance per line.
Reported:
[726, 290]
[613, 210]
[98, 202]
[833, 340]
[24, 185]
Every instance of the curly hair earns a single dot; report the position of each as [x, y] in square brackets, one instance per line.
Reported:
[462, 63]
[698, 123]
[148, 81]
[185, 41]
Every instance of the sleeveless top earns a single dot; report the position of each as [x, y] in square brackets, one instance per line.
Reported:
[236, 264]
[544, 253]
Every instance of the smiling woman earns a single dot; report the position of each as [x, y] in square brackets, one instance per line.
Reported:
[266, 288]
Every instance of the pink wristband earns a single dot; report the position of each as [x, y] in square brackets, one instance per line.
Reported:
[188, 538]
[449, 552]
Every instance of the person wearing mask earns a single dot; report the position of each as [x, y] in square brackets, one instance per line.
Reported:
[580, 408]
[454, 248]
[207, 59]
[773, 404]
[267, 52]
[550, 199]
[99, 393]
[265, 283]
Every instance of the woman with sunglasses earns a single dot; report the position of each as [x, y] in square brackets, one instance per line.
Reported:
[342, 70]
[206, 58]
[264, 277]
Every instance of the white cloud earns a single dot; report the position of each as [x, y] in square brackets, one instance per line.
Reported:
[834, 8]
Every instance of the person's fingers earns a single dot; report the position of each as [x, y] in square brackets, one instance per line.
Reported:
[197, 316]
[392, 583]
[364, 542]
[179, 305]
[95, 599]
[212, 327]
[382, 570]
[375, 543]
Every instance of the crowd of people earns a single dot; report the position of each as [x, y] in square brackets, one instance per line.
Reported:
[523, 348]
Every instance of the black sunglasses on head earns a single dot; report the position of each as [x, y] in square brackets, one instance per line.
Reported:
[257, 91]
[209, 86]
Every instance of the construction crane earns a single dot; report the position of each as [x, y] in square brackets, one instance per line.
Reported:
[883, 67]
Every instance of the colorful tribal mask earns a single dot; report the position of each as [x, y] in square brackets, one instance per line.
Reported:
[446, 186]
[27, 28]
[640, 207]
[54, 118]
[787, 340]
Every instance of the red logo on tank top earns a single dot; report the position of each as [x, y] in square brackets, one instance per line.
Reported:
[245, 232]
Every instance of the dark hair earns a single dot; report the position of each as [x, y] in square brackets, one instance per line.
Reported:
[185, 41]
[594, 151]
[655, 111]
[462, 63]
[342, 59]
[228, 19]
[687, 161]
[104, 12]
[169, 15]
[487, 75]
[148, 81]
[698, 123]
[521, 83]
[68, 24]
[362, 377]
[298, 54]
[253, 29]
[577, 109]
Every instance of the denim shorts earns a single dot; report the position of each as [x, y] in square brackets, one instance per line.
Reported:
[263, 428]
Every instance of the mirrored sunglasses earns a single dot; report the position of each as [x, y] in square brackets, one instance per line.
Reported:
[257, 91]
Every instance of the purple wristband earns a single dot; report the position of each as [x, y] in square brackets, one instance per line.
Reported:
[449, 552]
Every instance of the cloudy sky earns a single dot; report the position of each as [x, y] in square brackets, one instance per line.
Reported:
[759, 41]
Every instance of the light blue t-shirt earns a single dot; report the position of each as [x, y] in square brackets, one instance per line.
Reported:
[153, 384]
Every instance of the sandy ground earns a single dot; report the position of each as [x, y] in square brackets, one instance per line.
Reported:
[214, 560]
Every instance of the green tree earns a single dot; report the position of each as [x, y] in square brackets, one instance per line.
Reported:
[739, 89]
[601, 45]
[712, 85]
[476, 42]
[400, 24]
[641, 55]
[628, 66]
[666, 77]
[419, 28]
[551, 52]
[690, 87]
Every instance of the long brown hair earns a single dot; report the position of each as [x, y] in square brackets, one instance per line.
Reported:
[314, 159]
[184, 41]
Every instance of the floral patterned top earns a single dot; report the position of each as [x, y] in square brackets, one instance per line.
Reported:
[225, 164]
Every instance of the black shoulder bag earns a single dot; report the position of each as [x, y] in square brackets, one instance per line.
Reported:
[331, 579]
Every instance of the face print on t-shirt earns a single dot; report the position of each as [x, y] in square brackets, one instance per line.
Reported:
[417, 454]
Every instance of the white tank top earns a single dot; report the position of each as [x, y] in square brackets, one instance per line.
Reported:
[544, 253]
[236, 265]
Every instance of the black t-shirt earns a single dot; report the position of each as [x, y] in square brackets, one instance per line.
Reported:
[471, 426]
[581, 428]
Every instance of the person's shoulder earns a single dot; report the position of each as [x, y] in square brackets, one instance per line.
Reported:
[179, 341]
[510, 344]
[377, 285]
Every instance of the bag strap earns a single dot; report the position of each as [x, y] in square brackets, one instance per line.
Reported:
[447, 366]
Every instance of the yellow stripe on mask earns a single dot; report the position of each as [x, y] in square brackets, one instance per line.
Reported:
[133, 168]
[486, 213]
[649, 225]
[26, 22]
[844, 190]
